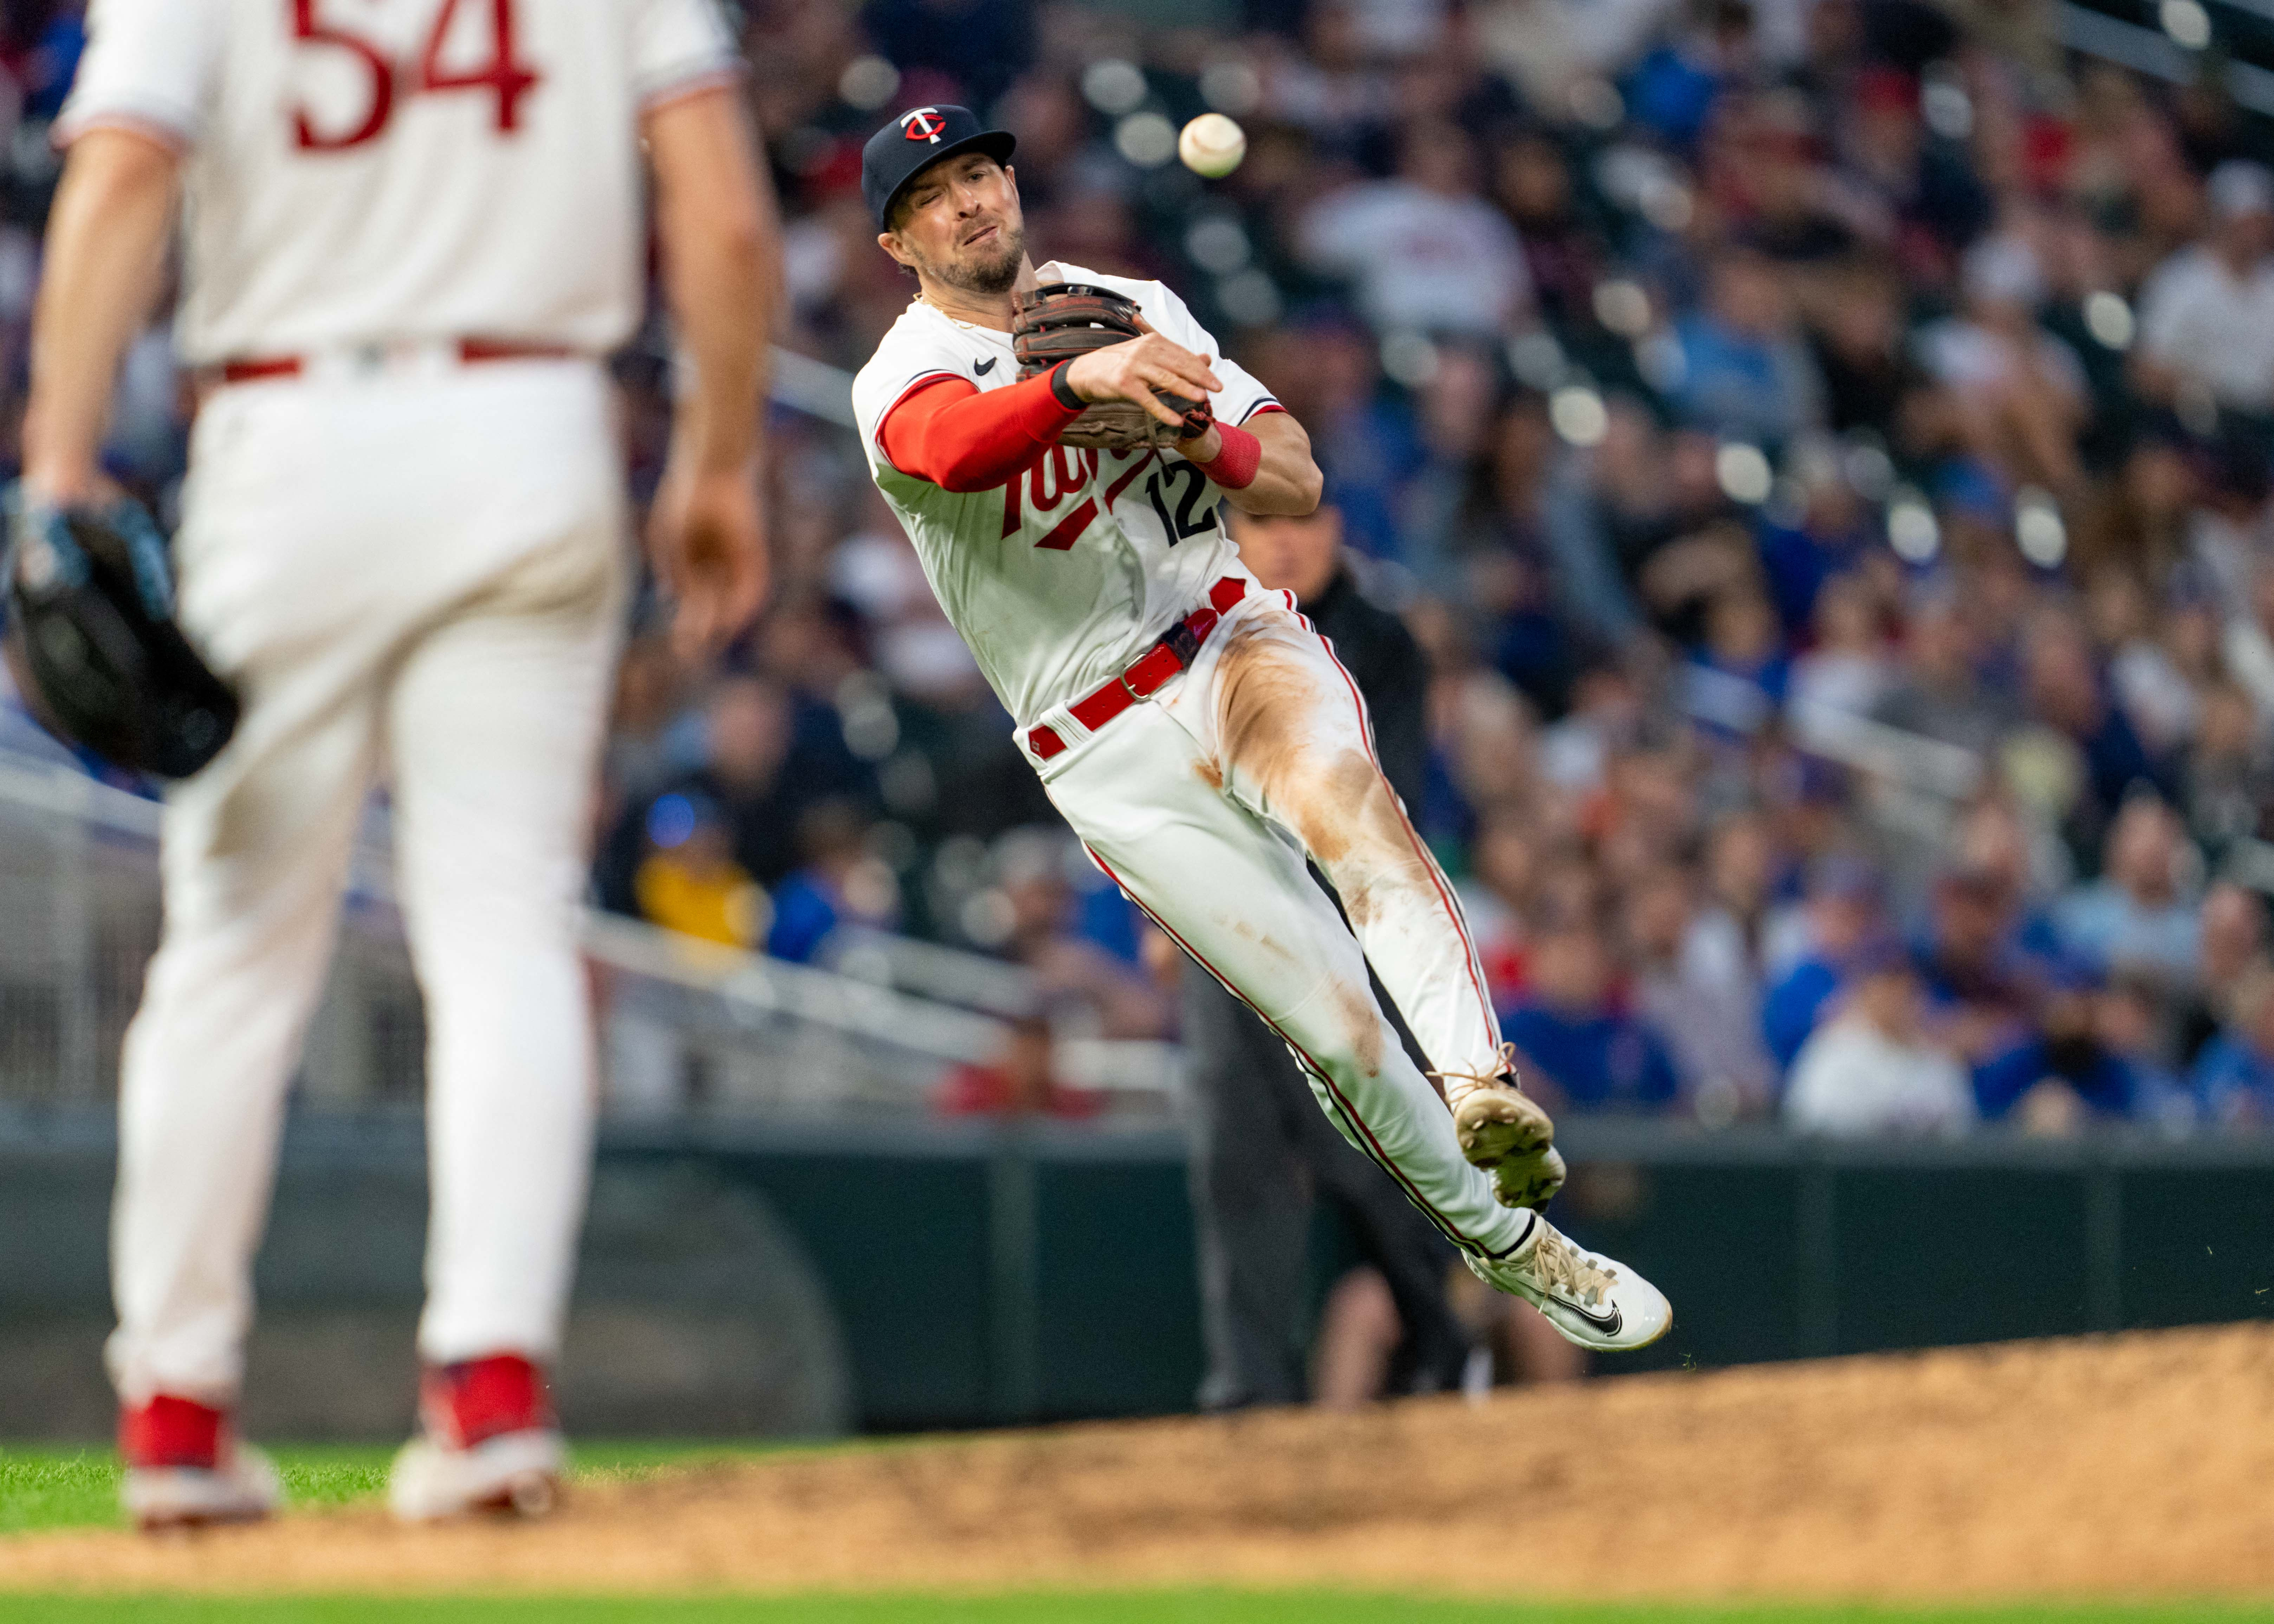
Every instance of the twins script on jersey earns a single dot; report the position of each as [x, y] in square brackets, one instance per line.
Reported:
[1060, 578]
[365, 170]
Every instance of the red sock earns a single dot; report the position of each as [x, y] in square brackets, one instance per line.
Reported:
[171, 1432]
[478, 1399]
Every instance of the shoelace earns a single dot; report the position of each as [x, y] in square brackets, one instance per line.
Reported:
[1503, 1076]
[1562, 1266]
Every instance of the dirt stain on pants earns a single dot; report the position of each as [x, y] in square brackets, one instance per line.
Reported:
[1292, 744]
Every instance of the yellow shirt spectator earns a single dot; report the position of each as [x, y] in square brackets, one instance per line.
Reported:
[698, 890]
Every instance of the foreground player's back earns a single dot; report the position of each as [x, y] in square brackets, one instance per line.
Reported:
[366, 169]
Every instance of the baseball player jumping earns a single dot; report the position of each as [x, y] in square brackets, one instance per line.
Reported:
[1056, 443]
[412, 229]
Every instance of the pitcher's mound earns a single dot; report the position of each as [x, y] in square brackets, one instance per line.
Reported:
[2136, 1464]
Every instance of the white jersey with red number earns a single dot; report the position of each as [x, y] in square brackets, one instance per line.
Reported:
[360, 171]
[1061, 578]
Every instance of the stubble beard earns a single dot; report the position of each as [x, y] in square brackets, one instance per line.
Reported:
[986, 273]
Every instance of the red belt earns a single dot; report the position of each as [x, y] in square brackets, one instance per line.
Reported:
[472, 352]
[1164, 659]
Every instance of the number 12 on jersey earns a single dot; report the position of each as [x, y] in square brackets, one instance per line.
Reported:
[1191, 519]
[508, 77]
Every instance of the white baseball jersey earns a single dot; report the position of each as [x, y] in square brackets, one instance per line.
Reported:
[1058, 580]
[366, 170]
[1062, 577]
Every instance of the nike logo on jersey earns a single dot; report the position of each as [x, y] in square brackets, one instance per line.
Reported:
[980, 369]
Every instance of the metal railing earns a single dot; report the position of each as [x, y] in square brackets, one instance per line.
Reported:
[945, 973]
[687, 1026]
[2094, 31]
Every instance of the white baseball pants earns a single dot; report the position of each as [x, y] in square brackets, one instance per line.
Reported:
[419, 575]
[1202, 805]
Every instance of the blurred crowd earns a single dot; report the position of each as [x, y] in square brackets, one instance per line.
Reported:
[1823, 447]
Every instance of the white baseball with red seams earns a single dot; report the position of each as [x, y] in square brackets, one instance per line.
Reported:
[1203, 803]
[395, 556]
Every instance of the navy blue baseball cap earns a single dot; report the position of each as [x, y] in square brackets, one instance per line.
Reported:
[912, 143]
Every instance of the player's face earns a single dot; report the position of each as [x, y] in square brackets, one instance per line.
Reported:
[960, 224]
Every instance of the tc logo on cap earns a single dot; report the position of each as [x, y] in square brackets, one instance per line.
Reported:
[923, 125]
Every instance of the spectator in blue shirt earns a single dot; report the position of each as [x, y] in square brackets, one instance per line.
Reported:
[2067, 694]
[840, 884]
[2234, 1074]
[2136, 915]
[2064, 1073]
[1734, 687]
[2230, 944]
[1588, 1054]
[1831, 534]
[1985, 984]
[1843, 912]
[1746, 374]
[1673, 89]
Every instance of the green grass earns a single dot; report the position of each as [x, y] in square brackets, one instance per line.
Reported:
[1114, 1607]
[78, 1488]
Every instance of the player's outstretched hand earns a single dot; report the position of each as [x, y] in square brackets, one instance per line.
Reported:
[707, 537]
[1133, 371]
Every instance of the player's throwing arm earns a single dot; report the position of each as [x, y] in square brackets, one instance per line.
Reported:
[1058, 443]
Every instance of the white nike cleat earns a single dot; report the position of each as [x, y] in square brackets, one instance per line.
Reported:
[1505, 1133]
[1587, 1298]
[517, 1472]
[241, 1487]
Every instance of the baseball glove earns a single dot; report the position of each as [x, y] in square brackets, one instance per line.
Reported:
[1061, 320]
[92, 641]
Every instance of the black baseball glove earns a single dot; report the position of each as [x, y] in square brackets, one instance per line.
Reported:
[1061, 320]
[91, 644]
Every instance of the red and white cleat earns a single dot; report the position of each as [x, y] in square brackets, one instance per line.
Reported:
[186, 1468]
[488, 1443]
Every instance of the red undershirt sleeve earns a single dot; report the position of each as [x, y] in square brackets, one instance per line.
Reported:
[947, 431]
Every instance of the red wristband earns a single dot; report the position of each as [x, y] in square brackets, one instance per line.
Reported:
[1236, 464]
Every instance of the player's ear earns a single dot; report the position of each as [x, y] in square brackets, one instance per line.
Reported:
[890, 242]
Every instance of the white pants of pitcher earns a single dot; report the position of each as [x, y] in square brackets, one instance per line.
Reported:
[418, 576]
[1202, 806]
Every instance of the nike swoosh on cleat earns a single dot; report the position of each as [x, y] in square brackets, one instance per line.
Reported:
[981, 369]
[1608, 1324]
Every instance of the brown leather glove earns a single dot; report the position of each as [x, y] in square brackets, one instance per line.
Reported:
[1059, 321]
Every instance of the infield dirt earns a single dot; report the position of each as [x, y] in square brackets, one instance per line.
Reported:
[2138, 1465]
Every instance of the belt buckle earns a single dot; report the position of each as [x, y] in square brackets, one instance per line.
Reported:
[1142, 667]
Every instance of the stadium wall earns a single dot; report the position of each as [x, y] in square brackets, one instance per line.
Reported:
[775, 1280]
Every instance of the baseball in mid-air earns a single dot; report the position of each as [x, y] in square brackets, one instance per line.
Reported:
[1212, 145]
